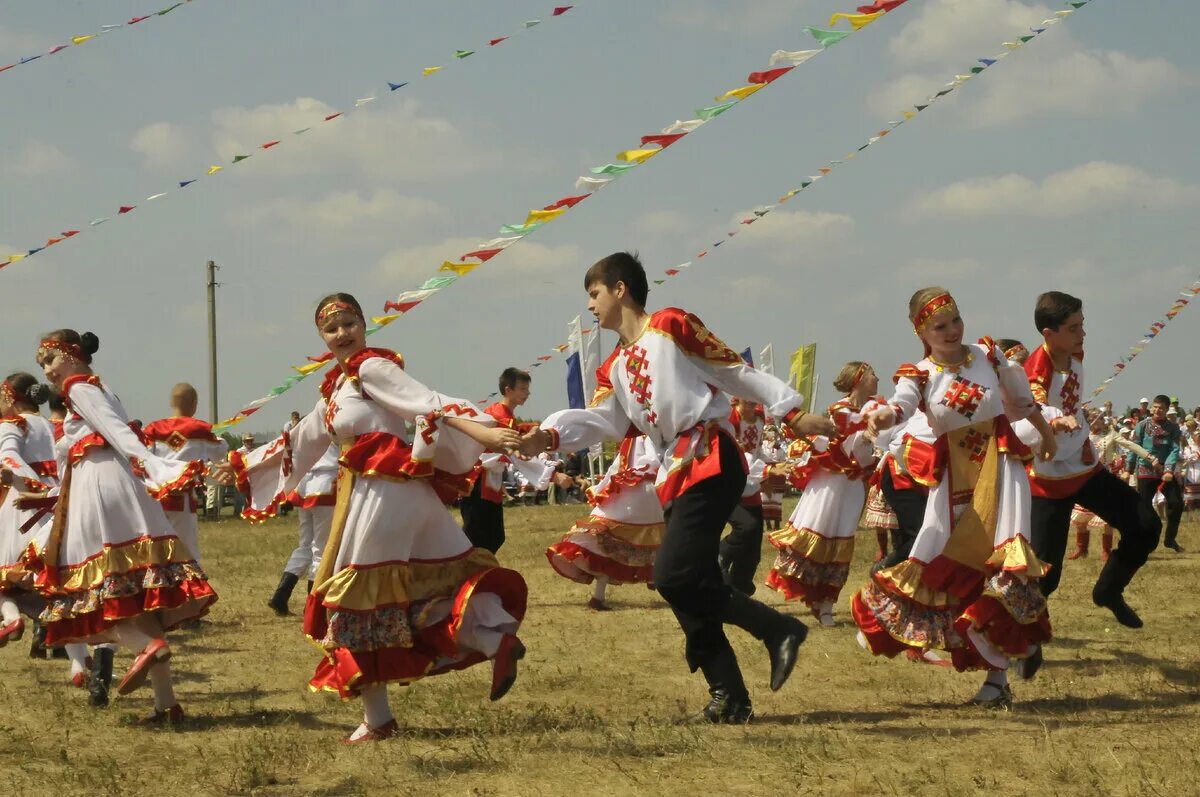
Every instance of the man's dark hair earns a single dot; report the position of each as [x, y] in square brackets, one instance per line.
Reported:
[1161, 399]
[620, 267]
[511, 377]
[1053, 308]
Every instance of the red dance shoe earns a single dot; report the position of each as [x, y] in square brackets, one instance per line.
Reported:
[167, 716]
[80, 680]
[11, 632]
[157, 651]
[504, 666]
[384, 732]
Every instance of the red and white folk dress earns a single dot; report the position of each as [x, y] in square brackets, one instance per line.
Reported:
[184, 439]
[817, 544]
[112, 554]
[400, 594]
[26, 449]
[970, 586]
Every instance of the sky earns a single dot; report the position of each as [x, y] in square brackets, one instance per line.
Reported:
[1068, 166]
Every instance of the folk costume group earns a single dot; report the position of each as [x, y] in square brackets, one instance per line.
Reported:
[973, 468]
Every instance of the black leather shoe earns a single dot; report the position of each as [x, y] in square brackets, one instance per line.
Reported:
[1029, 666]
[1174, 546]
[37, 645]
[101, 677]
[723, 709]
[783, 647]
[1116, 604]
[279, 600]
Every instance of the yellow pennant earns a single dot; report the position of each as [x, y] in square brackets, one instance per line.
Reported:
[542, 216]
[384, 320]
[214, 169]
[429, 70]
[858, 21]
[15, 258]
[909, 114]
[637, 155]
[459, 268]
[82, 39]
[307, 368]
[742, 93]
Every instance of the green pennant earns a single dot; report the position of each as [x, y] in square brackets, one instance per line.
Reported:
[239, 158]
[279, 391]
[520, 229]
[437, 283]
[714, 111]
[805, 184]
[659, 282]
[1079, 4]
[463, 53]
[827, 38]
[975, 70]
[613, 168]
[1026, 39]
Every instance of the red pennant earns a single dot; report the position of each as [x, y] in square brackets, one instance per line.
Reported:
[52, 241]
[269, 144]
[125, 209]
[57, 48]
[702, 254]
[770, 75]
[249, 412]
[824, 170]
[567, 202]
[69, 233]
[136, 20]
[560, 10]
[401, 307]
[663, 140]
[671, 272]
[545, 358]
[494, 42]
[880, 5]
[749, 221]
[333, 116]
[483, 255]
[326, 357]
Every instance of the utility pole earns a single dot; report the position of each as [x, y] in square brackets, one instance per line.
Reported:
[212, 341]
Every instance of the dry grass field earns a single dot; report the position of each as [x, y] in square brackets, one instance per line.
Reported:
[598, 708]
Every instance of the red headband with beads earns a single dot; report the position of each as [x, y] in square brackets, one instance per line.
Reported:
[72, 350]
[333, 308]
[938, 304]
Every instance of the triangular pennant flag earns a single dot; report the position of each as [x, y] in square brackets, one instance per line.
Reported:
[429, 70]
[437, 283]
[463, 53]
[742, 93]
[671, 272]
[185, 183]
[592, 184]
[483, 255]
[394, 86]
[96, 222]
[545, 358]
[214, 169]
[268, 145]
[496, 41]
[363, 101]
[880, 5]
[987, 61]
[560, 10]
[125, 209]
[33, 252]
[301, 130]
[30, 58]
[613, 168]
[825, 38]
[170, 9]
[567, 202]
[82, 39]
[857, 21]
[543, 216]
[239, 158]
[57, 48]
[155, 196]
[769, 76]
[69, 233]
[637, 155]
[663, 140]
[520, 229]
[659, 282]
[333, 116]
[714, 111]
[532, 22]
[795, 58]
[460, 269]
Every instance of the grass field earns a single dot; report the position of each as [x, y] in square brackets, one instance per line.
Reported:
[600, 700]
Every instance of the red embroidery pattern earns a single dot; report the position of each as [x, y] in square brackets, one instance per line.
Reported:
[639, 381]
[964, 397]
[1070, 394]
[975, 443]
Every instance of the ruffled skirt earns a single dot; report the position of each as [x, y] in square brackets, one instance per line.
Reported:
[879, 514]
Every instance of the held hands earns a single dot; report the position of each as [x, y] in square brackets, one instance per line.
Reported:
[880, 419]
[533, 442]
[499, 438]
[1049, 445]
[6, 477]
[1065, 425]
[222, 473]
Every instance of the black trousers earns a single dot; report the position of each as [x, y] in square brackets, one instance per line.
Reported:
[1173, 493]
[1116, 503]
[909, 506]
[742, 547]
[686, 572]
[483, 520]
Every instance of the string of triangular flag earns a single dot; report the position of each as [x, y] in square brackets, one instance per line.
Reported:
[83, 38]
[781, 62]
[959, 79]
[1183, 300]
[323, 118]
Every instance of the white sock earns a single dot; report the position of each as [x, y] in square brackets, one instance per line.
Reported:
[376, 711]
[77, 653]
[599, 587]
[130, 636]
[9, 610]
[997, 678]
[164, 692]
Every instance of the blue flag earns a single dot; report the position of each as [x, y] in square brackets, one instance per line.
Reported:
[748, 356]
[574, 383]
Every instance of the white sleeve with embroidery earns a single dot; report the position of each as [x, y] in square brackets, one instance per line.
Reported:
[578, 429]
[387, 384]
[12, 459]
[906, 398]
[741, 380]
[106, 417]
[276, 468]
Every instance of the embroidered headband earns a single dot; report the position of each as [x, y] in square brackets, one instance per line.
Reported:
[71, 350]
[938, 304]
[8, 392]
[858, 375]
[333, 308]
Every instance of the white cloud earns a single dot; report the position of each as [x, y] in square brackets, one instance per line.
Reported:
[663, 223]
[162, 144]
[405, 268]
[1084, 189]
[781, 235]
[37, 158]
[1052, 75]
[394, 141]
[344, 213]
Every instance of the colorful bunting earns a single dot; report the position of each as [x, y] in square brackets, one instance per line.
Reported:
[273, 143]
[602, 175]
[87, 37]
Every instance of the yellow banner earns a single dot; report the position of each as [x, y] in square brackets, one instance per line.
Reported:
[800, 374]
